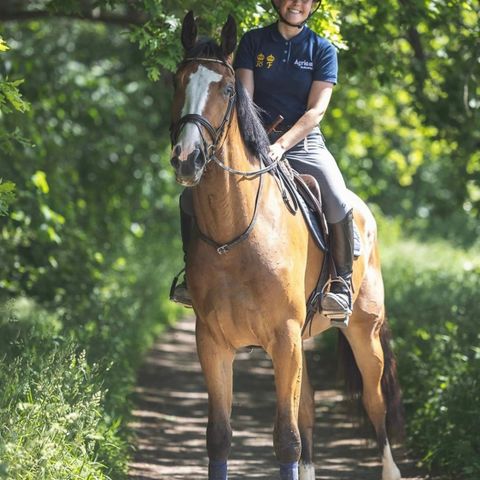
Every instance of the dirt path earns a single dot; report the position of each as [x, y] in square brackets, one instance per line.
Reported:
[170, 419]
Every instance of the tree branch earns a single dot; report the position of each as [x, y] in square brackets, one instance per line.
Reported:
[415, 41]
[132, 18]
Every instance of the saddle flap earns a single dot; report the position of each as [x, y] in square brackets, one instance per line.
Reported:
[312, 185]
[309, 190]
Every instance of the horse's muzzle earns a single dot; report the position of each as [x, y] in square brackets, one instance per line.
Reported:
[188, 172]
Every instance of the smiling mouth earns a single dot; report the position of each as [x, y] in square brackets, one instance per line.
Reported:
[294, 11]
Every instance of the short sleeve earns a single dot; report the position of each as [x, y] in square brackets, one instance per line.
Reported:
[245, 56]
[326, 64]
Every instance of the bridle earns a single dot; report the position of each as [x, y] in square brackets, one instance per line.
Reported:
[210, 150]
[216, 134]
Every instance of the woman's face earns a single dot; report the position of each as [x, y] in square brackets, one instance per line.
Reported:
[295, 11]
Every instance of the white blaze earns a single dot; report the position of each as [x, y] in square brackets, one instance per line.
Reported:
[196, 95]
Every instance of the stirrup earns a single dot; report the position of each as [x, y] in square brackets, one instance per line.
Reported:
[338, 318]
[184, 299]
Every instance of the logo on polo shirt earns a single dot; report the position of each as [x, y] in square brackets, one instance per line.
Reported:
[304, 64]
[261, 60]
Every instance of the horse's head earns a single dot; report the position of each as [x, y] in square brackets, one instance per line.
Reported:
[203, 100]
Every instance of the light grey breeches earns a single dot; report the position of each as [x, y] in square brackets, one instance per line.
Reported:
[312, 157]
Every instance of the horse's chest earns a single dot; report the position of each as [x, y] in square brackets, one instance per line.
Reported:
[243, 301]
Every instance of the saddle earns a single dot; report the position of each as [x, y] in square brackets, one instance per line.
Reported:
[302, 192]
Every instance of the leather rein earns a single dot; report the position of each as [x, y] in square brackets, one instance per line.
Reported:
[210, 152]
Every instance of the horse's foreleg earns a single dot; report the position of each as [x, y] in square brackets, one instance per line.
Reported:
[366, 345]
[216, 361]
[306, 422]
[286, 353]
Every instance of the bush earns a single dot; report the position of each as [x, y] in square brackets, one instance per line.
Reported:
[431, 292]
[51, 417]
[66, 379]
[87, 245]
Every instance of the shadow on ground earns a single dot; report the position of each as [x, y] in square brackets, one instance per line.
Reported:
[170, 417]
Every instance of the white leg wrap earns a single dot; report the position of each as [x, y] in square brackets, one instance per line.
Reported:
[390, 470]
[306, 471]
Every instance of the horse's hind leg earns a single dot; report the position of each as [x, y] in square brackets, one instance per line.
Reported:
[306, 421]
[364, 338]
[217, 364]
[285, 350]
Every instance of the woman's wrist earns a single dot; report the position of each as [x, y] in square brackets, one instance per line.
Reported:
[282, 142]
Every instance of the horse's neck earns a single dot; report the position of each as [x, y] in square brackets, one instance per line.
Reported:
[224, 202]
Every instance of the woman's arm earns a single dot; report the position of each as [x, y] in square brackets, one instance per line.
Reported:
[246, 77]
[318, 100]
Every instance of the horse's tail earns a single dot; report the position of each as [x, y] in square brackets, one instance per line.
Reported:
[395, 420]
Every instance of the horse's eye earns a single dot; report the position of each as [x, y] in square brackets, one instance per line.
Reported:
[229, 90]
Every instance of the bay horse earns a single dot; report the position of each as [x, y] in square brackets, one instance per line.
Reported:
[251, 264]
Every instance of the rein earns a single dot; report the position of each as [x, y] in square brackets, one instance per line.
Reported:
[210, 152]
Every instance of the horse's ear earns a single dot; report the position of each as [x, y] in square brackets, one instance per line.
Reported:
[229, 36]
[189, 31]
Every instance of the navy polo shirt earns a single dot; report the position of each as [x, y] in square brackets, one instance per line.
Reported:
[285, 69]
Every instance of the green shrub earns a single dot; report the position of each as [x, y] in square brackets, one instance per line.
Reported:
[64, 390]
[431, 293]
[51, 416]
[50, 400]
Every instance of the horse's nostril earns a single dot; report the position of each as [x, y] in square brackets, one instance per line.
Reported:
[177, 150]
[175, 161]
[199, 158]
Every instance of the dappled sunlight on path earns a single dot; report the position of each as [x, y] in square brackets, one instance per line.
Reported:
[170, 418]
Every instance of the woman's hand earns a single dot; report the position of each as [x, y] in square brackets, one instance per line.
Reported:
[276, 152]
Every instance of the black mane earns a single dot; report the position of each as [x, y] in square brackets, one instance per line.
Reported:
[251, 127]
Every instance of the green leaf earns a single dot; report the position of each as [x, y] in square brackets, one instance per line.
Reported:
[7, 195]
[39, 179]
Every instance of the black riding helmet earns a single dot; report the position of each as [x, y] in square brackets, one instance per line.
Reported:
[300, 25]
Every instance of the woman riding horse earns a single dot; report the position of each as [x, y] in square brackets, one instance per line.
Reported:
[252, 263]
[289, 70]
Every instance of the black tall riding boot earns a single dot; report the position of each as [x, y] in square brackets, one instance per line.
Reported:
[337, 303]
[179, 292]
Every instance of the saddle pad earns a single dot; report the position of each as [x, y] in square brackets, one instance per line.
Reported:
[313, 223]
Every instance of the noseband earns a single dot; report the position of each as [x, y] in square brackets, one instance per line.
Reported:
[216, 134]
